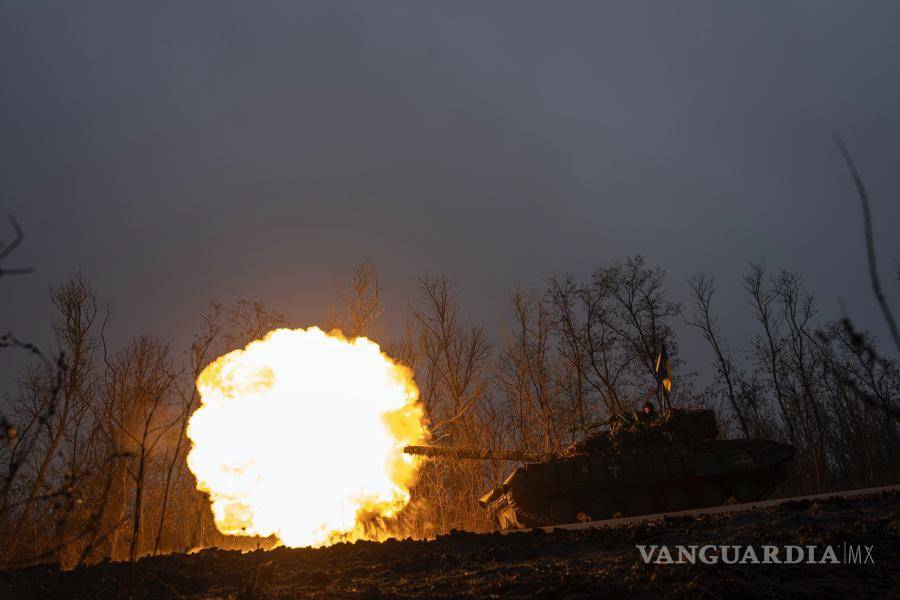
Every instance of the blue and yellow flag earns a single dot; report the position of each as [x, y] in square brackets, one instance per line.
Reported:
[664, 373]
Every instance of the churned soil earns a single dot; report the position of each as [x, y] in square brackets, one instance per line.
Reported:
[585, 563]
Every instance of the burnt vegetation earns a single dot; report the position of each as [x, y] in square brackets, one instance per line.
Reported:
[93, 438]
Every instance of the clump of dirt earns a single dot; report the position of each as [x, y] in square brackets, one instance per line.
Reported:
[579, 563]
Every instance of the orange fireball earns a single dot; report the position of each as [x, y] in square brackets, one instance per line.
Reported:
[301, 433]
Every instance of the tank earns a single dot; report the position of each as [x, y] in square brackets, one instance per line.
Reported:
[638, 466]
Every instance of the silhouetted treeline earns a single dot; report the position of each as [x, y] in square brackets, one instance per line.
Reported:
[92, 459]
[93, 452]
[579, 351]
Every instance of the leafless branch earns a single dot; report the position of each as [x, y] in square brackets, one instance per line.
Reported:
[870, 241]
[6, 251]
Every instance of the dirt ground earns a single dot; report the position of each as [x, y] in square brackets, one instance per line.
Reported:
[576, 564]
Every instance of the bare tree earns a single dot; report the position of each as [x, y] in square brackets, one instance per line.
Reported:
[531, 377]
[610, 331]
[76, 305]
[763, 294]
[565, 301]
[10, 434]
[187, 393]
[136, 386]
[800, 358]
[832, 396]
[452, 371]
[454, 354]
[247, 321]
[640, 310]
[703, 290]
[361, 303]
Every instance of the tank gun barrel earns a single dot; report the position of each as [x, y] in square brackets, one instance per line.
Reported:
[478, 453]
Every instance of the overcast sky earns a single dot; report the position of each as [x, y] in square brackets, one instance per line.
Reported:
[196, 150]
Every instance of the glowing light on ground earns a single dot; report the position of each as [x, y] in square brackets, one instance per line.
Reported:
[301, 435]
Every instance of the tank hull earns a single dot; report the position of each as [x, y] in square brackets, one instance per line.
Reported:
[637, 480]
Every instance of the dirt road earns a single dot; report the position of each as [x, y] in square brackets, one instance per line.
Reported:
[575, 562]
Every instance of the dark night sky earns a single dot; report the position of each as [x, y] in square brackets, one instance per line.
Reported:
[192, 150]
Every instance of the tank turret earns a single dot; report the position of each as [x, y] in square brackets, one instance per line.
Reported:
[639, 465]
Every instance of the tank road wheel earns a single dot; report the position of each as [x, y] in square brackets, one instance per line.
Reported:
[639, 503]
[675, 499]
[601, 508]
[746, 490]
[711, 494]
[562, 511]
